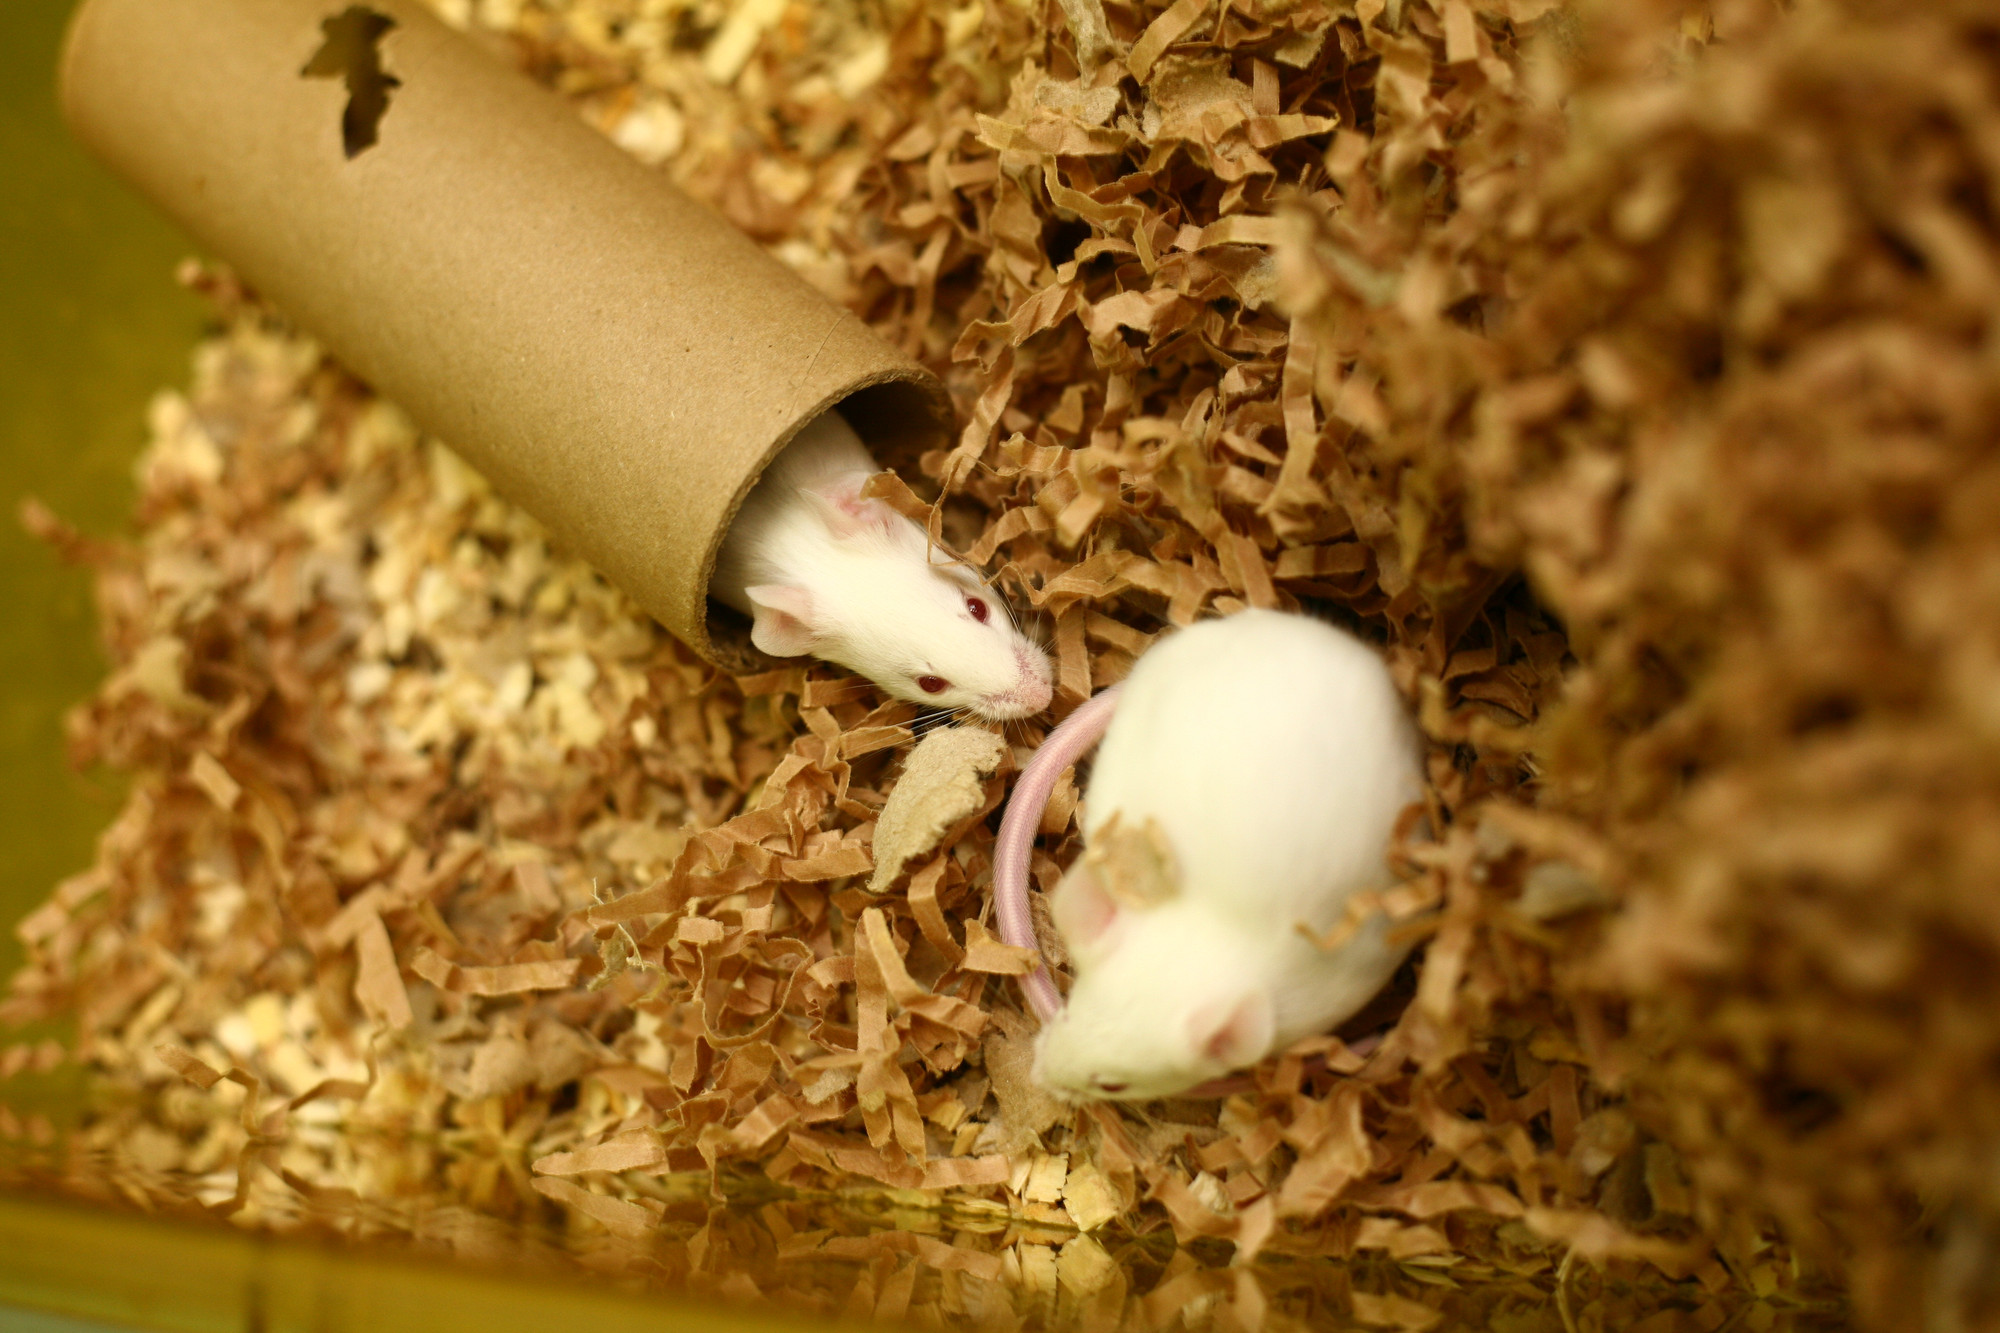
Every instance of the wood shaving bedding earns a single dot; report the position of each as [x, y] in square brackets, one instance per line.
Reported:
[451, 893]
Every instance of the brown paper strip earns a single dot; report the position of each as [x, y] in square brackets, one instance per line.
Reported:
[377, 985]
[983, 953]
[624, 1153]
[615, 357]
[505, 979]
[617, 1216]
[188, 1065]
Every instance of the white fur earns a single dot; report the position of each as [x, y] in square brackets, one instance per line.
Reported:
[1274, 754]
[823, 572]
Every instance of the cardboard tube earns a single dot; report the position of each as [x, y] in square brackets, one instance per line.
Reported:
[615, 357]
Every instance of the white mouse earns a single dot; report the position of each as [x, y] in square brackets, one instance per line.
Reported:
[1248, 785]
[822, 571]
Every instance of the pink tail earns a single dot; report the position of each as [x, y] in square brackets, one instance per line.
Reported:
[1071, 740]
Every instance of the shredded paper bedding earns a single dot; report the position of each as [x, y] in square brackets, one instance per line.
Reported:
[1627, 372]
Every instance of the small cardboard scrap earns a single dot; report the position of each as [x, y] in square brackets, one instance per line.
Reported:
[941, 785]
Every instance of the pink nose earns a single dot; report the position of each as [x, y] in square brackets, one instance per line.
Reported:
[1034, 692]
[1034, 687]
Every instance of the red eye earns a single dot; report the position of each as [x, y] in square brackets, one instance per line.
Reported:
[1104, 1085]
[978, 609]
[933, 684]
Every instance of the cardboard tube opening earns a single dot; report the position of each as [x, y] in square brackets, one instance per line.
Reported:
[614, 356]
[898, 419]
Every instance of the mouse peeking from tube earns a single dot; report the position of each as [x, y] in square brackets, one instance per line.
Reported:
[823, 570]
[668, 399]
[1251, 776]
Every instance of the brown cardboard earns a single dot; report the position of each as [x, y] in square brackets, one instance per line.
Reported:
[614, 356]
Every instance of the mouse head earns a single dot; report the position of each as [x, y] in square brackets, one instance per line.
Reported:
[889, 604]
[1166, 997]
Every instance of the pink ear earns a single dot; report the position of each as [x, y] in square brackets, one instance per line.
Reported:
[1233, 1035]
[846, 512]
[783, 619]
[1083, 911]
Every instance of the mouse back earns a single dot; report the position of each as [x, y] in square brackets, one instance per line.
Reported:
[1275, 752]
